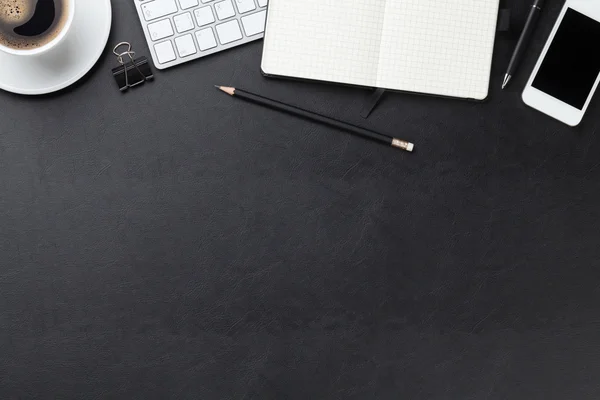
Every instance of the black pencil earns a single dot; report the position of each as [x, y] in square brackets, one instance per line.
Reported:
[276, 105]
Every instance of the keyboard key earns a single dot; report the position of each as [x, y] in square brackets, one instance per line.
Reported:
[206, 1]
[160, 30]
[224, 9]
[244, 6]
[262, 3]
[229, 32]
[185, 45]
[206, 39]
[255, 23]
[164, 52]
[185, 4]
[183, 22]
[204, 16]
[158, 8]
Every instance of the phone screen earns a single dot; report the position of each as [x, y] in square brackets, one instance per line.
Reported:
[572, 62]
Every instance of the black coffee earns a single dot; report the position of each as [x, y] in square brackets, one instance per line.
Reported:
[28, 24]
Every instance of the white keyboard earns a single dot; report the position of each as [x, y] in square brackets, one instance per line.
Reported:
[179, 31]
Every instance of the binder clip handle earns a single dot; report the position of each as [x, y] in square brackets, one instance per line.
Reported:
[127, 52]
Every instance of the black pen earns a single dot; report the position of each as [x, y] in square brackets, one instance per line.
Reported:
[517, 56]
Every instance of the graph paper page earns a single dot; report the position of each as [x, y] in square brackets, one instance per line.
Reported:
[441, 47]
[327, 40]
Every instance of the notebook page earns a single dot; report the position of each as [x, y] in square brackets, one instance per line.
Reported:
[327, 40]
[441, 47]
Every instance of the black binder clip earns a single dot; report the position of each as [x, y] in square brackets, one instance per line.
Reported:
[132, 72]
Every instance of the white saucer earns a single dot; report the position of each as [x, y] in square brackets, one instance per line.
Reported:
[66, 63]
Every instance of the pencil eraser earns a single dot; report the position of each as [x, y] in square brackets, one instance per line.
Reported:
[410, 147]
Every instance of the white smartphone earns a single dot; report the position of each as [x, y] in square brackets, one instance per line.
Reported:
[568, 72]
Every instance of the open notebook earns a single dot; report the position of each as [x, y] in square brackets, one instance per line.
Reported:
[439, 47]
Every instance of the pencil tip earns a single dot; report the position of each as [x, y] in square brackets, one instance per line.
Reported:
[228, 90]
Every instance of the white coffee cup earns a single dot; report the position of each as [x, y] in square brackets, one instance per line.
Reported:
[51, 44]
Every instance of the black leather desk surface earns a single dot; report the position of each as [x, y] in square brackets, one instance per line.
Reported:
[175, 243]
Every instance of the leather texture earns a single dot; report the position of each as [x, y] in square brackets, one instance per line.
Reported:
[174, 243]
